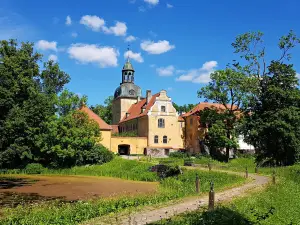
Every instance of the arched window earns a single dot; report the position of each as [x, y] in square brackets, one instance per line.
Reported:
[161, 123]
[156, 139]
[165, 139]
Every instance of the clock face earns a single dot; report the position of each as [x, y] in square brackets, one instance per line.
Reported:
[131, 92]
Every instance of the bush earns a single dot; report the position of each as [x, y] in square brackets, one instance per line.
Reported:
[97, 155]
[179, 154]
[34, 168]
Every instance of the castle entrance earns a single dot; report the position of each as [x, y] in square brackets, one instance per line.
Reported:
[124, 149]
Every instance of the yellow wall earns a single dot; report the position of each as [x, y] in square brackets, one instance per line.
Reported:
[119, 108]
[172, 127]
[137, 144]
[193, 134]
[106, 138]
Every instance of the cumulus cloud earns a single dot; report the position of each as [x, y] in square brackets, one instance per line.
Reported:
[135, 56]
[53, 58]
[130, 38]
[156, 48]
[119, 29]
[68, 21]
[201, 75]
[89, 53]
[152, 2]
[166, 71]
[169, 6]
[298, 75]
[93, 22]
[46, 45]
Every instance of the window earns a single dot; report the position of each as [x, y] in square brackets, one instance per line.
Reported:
[161, 123]
[165, 139]
[156, 139]
[163, 109]
[191, 121]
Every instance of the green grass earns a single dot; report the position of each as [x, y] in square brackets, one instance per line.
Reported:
[277, 205]
[73, 213]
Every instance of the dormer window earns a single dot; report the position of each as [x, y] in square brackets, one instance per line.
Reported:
[163, 108]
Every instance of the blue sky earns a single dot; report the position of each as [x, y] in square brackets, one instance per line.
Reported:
[177, 42]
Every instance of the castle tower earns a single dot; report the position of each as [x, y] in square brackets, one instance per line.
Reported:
[126, 94]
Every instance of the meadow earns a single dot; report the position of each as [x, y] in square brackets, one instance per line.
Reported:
[278, 204]
[59, 212]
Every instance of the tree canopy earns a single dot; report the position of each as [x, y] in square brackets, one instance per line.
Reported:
[104, 111]
[39, 121]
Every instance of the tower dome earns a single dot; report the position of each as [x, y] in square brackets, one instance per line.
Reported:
[127, 87]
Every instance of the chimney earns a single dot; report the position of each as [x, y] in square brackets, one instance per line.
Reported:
[127, 114]
[138, 98]
[148, 96]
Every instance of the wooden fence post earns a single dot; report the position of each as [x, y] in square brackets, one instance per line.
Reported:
[256, 169]
[274, 177]
[211, 199]
[197, 183]
[246, 172]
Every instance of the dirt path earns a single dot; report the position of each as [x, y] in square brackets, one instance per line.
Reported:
[191, 204]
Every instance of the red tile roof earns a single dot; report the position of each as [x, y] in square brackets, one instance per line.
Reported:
[115, 129]
[202, 105]
[94, 116]
[180, 119]
[135, 111]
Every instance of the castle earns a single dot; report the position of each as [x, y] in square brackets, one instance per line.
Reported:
[153, 119]
[157, 127]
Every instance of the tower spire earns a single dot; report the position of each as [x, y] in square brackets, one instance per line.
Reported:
[128, 49]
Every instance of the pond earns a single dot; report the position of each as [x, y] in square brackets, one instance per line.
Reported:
[22, 189]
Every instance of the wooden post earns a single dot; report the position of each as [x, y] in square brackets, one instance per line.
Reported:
[274, 177]
[246, 172]
[197, 183]
[256, 169]
[211, 199]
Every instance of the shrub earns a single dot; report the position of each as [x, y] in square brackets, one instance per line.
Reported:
[179, 155]
[34, 168]
[97, 155]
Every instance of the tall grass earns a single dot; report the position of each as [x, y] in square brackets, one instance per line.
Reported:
[72, 213]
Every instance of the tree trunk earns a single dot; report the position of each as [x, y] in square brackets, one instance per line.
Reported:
[227, 148]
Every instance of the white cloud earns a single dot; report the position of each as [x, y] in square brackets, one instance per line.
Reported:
[180, 71]
[119, 29]
[53, 58]
[135, 56]
[298, 75]
[201, 75]
[130, 38]
[93, 22]
[170, 89]
[86, 53]
[68, 21]
[152, 2]
[166, 71]
[169, 6]
[46, 45]
[156, 48]
[74, 34]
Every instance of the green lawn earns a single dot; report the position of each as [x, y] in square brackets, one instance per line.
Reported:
[276, 205]
[73, 213]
